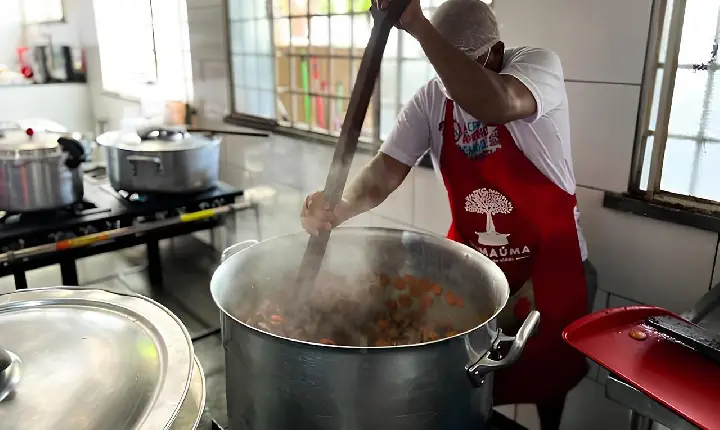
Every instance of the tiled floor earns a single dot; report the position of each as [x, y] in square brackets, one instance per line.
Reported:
[280, 172]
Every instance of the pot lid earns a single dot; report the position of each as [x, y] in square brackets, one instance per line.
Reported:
[156, 139]
[28, 140]
[91, 359]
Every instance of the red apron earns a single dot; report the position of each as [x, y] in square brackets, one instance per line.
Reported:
[504, 207]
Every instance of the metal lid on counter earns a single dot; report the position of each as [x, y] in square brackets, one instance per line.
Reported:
[82, 358]
[155, 139]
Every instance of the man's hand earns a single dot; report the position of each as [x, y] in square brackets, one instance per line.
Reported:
[316, 216]
[413, 17]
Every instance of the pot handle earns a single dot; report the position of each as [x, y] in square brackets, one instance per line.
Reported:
[234, 249]
[213, 132]
[75, 150]
[156, 160]
[9, 373]
[485, 365]
[162, 133]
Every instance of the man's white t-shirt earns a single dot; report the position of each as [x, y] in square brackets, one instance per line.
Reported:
[544, 137]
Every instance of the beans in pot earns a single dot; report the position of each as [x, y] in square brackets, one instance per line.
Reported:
[388, 311]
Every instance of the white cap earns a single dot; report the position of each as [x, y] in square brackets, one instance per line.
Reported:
[470, 25]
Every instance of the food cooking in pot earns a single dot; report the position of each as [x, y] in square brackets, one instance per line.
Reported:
[382, 311]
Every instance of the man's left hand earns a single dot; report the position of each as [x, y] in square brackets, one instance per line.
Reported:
[411, 19]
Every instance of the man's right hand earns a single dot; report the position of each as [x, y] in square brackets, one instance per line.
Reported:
[317, 217]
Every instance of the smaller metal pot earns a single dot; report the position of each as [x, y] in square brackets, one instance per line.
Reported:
[161, 160]
[39, 170]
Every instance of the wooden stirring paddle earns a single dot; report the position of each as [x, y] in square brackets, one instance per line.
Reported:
[347, 143]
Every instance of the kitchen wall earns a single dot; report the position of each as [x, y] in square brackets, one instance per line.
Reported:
[79, 30]
[10, 32]
[208, 50]
[602, 46]
[80, 18]
[66, 104]
[76, 106]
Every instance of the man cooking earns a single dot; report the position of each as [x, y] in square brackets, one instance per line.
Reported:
[495, 122]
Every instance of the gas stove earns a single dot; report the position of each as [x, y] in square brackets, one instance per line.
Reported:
[32, 240]
[103, 209]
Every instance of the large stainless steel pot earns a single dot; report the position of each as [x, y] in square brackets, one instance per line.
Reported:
[277, 383]
[89, 359]
[39, 170]
[162, 160]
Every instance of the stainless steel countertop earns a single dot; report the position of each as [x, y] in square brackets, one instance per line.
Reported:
[706, 314]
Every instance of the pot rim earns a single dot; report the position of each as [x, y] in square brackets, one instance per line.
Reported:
[116, 140]
[160, 410]
[432, 237]
[179, 421]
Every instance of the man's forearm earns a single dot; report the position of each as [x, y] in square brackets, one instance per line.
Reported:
[364, 193]
[478, 91]
[373, 185]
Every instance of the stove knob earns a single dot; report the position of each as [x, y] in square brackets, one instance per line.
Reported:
[20, 244]
[204, 205]
[55, 237]
[218, 202]
[87, 230]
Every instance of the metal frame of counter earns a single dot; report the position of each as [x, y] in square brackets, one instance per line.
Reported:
[645, 411]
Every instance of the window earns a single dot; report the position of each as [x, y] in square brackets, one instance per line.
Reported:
[252, 58]
[42, 11]
[678, 148]
[144, 41]
[295, 62]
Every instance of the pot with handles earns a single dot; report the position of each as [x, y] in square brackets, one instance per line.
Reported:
[39, 170]
[74, 358]
[161, 160]
[276, 382]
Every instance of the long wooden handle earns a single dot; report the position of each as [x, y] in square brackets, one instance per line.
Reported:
[350, 132]
[360, 99]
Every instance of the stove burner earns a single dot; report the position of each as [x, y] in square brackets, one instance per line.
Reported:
[159, 198]
[78, 209]
[104, 209]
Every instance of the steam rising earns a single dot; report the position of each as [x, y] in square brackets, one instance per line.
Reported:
[346, 296]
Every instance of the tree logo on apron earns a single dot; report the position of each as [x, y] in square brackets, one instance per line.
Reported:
[491, 242]
[490, 203]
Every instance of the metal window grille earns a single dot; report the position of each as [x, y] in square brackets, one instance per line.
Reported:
[677, 152]
[310, 52]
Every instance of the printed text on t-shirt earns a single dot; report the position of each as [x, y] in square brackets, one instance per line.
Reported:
[475, 139]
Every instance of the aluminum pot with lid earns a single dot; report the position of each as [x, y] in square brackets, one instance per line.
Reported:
[90, 359]
[278, 381]
[161, 160]
[39, 170]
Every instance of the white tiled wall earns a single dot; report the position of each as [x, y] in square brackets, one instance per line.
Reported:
[603, 128]
[600, 41]
[210, 66]
[646, 260]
